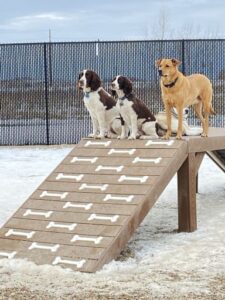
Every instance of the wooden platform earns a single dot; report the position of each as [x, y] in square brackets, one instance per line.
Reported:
[86, 210]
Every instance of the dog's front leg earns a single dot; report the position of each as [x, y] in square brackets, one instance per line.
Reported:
[168, 120]
[180, 123]
[102, 125]
[95, 127]
[134, 128]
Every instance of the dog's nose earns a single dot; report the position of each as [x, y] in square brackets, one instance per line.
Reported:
[186, 111]
[160, 72]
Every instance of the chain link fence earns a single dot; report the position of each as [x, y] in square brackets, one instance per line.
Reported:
[39, 100]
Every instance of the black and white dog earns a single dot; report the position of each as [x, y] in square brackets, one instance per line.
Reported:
[104, 114]
[136, 115]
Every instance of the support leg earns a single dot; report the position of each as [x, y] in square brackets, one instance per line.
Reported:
[187, 218]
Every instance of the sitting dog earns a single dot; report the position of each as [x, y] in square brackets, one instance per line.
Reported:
[135, 114]
[180, 91]
[162, 123]
[104, 114]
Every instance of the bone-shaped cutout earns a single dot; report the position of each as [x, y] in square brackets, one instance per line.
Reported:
[60, 195]
[85, 206]
[113, 219]
[115, 151]
[35, 245]
[46, 214]
[117, 169]
[73, 177]
[96, 240]
[78, 263]
[59, 225]
[8, 255]
[90, 143]
[102, 187]
[168, 143]
[77, 159]
[150, 160]
[28, 235]
[142, 179]
[118, 198]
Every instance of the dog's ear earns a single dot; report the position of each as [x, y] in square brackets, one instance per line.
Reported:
[175, 62]
[127, 87]
[157, 62]
[94, 82]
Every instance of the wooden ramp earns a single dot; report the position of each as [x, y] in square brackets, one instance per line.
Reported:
[218, 157]
[85, 212]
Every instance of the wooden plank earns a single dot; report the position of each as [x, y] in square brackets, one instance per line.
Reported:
[55, 238]
[101, 179]
[115, 161]
[127, 170]
[84, 197]
[102, 208]
[71, 217]
[126, 144]
[78, 151]
[40, 259]
[134, 189]
[215, 141]
[73, 251]
[187, 217]
[92, 229]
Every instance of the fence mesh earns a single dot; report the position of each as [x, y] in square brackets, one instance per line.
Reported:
[39, 100]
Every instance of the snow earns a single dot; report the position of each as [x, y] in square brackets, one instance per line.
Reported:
[158, 263]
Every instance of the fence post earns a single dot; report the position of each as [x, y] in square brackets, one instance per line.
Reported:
[183, 56]
[46, 92]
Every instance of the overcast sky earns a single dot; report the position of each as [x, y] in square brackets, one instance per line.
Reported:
[85, 20]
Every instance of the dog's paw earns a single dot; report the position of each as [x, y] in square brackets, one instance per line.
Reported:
[179, 137]
[204, 134]
[92, 135]
[120, 137]
[100, 136]
[166, 137]
[131, 137]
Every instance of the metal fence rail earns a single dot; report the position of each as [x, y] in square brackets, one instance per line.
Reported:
[39, 100]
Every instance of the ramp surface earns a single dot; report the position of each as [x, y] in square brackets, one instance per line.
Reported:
[85, 212]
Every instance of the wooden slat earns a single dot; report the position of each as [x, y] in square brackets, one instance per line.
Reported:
[102, 208]
[84, 197]
[92, 229]
[71, 217]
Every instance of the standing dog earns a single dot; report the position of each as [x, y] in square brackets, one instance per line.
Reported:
[135, 114]
[101, 106]
[180, 91]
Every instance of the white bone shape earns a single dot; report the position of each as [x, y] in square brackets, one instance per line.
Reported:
[168, 143]
[60, 195]
[35, 245]
[46, 214]
[142, 179]
[90, 143]
[114, 151]
[102, 187]
[8, 255]
[28, 235]
[73, 177]
[77, 159]
[118, 198]
[59, 225]
[113, 219]
[150, 160]
[78, 263]
[85, 206]
[96, 240]
[117, 169]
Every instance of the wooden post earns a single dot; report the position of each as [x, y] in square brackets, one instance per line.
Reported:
[187, 218]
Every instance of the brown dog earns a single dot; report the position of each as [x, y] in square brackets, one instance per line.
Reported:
[181, 91]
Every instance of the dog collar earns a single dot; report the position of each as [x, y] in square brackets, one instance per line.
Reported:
[121, 100]
[87, 94]
[171, 84]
